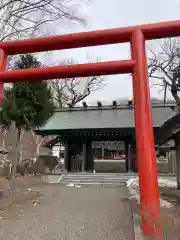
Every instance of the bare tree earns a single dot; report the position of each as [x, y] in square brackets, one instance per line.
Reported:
[24, 18]
[70, 91]
[38, 141]
[164, 68]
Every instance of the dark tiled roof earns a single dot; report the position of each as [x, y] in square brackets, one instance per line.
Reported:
[102, 118]
[168, 129]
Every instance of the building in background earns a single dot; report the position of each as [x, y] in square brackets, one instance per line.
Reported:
[99, 133]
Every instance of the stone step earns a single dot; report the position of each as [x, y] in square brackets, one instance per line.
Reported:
[100, 175]
[96, 179]
[94, 183]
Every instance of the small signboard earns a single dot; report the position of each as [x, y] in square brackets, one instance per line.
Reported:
[112, 145]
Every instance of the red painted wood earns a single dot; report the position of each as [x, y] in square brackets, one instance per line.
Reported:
[149, 192]
[69, 71]
[93, 38]
[3, 64]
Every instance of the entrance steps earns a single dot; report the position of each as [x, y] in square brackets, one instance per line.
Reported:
[105, 179]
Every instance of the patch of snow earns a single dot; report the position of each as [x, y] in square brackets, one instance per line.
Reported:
[59, 179]
[70, 185]
[166, 183]
[73, 185]
[29, 190]
[133, 186]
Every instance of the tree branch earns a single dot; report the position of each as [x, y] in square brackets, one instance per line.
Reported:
[164, 66]
[69, 92]
[16, 14]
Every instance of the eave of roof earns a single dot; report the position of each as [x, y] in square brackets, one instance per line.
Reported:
[100, 119]
[169, 129]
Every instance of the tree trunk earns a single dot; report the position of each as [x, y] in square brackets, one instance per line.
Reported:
[38, 149]
[3, 141]
[4, 138]
[19, 155]
[38, 140]
[16, 150]
[176, 97]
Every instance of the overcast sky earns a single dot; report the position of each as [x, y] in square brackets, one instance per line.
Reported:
[102, 14]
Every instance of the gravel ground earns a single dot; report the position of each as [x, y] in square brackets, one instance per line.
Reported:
[89, 213]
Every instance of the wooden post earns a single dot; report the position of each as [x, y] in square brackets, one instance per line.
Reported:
[89, 156]
[84, 157]
[129, 158]
[148, 181]
[66, 156]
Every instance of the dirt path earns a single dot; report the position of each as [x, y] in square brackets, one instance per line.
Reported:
[71, 213]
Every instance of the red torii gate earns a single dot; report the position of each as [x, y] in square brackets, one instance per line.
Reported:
[136, 35]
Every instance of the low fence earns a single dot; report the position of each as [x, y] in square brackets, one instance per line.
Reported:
[164, 165]
[113, 166]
